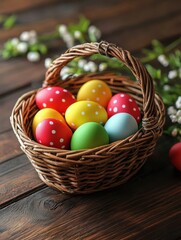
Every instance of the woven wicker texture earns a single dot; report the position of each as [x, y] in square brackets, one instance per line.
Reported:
[90, 170]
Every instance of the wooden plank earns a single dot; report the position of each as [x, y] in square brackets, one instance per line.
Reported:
[9, 6]
[7, 103]
[132, 211]
[120, 20]
[109, 17]
[41, 26]
[17, 177]
[9, 146]
[22, 77]
[152, 32]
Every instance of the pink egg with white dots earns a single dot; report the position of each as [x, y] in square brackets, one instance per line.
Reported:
[54, 97]
[123, 103]
[53, 133]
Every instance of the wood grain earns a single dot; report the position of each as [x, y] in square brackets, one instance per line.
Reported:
[9, 146]
[9, 6]
[148, 206]
[7, 102]
[17, 177]
[22, 77]
[133, 211]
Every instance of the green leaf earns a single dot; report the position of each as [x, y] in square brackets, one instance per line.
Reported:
[84, 24]
[81, 26]
[157, 46]
[43, 48]
[5, 54]
[9, 22]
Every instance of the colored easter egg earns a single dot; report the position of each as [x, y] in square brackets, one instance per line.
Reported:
[46, 113]
[89, 135]
[120, 126]
[53, 133]
[175, 155]
[54, 97]
[95, 90]
[85, 111]
[122, 102]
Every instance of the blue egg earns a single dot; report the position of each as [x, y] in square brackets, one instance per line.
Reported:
[120, 126]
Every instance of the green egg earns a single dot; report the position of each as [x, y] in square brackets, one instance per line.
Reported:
[89, 135]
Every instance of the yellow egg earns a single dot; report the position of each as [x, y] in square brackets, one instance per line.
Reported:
[85, 111]
[95, 90]
[44, 114]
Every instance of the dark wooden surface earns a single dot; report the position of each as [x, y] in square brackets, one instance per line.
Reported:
[146, 207]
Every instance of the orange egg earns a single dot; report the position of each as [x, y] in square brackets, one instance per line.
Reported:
[95, 90]
[44, 114]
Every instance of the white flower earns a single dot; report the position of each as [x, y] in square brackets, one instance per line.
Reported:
[172, 74]
[68, 40]
[92, 66]
[178, 114]
[77, 34]
[47, 62]
[179, 120]
[65, 70]
[102, 67]
[33, 56]
[178, 103]
[24, 36]
[81, 63]
[86, 68]
[174, 132]
[62, 29]
[166, 87]
[14, 41]
[173, 118]
[95, 31]
[163, 60]
[22, 47]
[32, 36]
[171, 110]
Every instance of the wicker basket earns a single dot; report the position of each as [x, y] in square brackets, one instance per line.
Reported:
[91, 170]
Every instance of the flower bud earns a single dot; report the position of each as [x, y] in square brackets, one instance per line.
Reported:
[163, 60]
[22, 47]
[33, 56]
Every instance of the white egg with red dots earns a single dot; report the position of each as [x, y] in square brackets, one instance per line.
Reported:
[53, 133]
[54, 97]
[123, 102]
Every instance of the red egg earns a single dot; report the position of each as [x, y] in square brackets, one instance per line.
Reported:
[53, 133]
[175, 155]
[54, 97]
[123, 102]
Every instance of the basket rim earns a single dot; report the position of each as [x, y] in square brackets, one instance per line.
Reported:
[39, 147]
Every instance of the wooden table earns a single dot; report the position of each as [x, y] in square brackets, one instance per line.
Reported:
[146, 207]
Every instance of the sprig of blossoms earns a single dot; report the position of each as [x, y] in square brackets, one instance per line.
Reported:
[174, 113]
[81, 66]
[33, 46]
[26, 44]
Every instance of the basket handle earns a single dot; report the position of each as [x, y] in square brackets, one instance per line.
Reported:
[111, 50]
